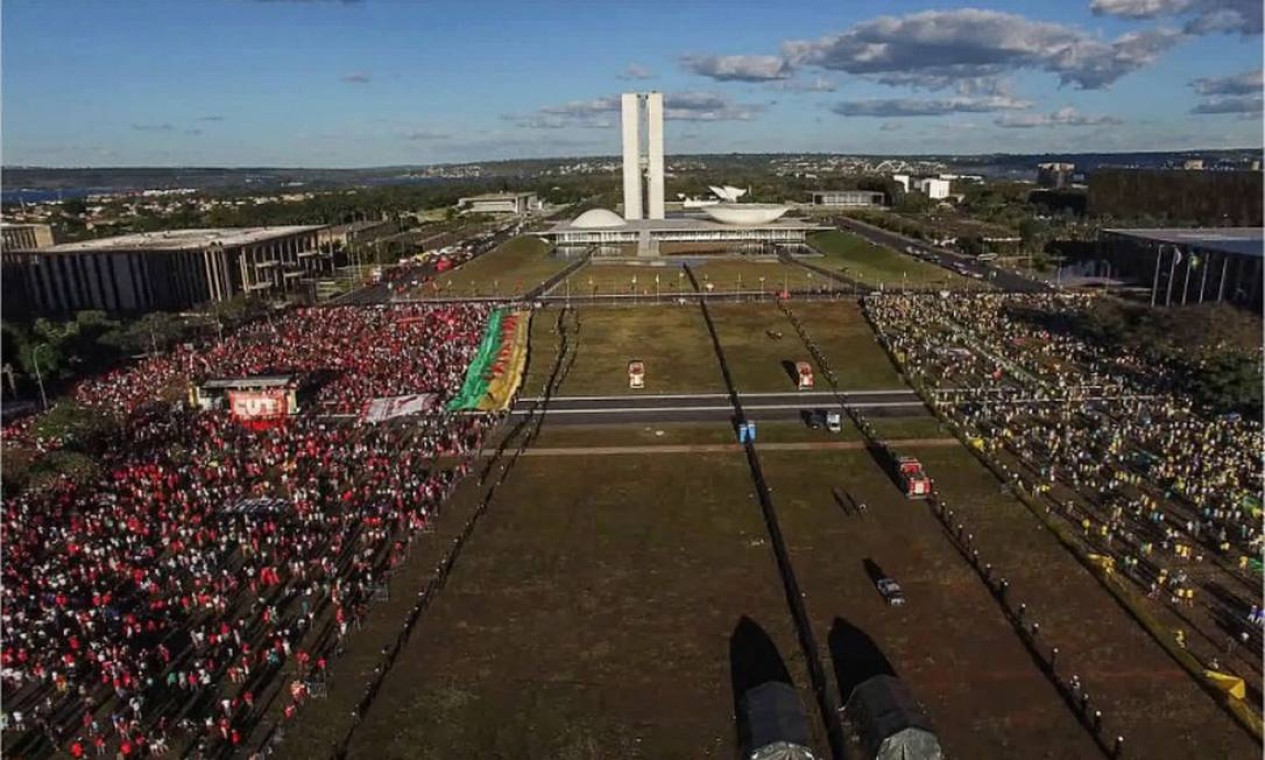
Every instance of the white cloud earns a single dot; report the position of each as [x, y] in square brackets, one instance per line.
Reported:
[818, 84]
[935, 49]
[1236, 93]
[677, 106]
[1204, 16]
[900, 107]
[635, 72]
[421, 135]
[1064, 117]
[1240, 104]
[738, 68]
[1246, 83]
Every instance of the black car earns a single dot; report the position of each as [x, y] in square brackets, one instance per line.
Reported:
[815, 419]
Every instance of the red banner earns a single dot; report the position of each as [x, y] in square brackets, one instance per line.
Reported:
[258, 405]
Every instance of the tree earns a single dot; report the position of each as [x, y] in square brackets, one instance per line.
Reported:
[1228, 382]
[239, 309]
[45, 356]
[1031, 232]
[74, 466]
[971, 245]
[74, 207]
[914, 203]
[154, 332]
[80, 427]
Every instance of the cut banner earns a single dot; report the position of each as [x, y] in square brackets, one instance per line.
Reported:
[389, 407]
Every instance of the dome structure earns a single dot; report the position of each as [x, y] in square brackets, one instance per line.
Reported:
[597, 218]
[745, 214]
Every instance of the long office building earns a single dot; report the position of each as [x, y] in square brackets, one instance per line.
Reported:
[1190, 265]
[171, 270]
[25, 236]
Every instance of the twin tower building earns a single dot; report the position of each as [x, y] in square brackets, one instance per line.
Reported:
[639, 203]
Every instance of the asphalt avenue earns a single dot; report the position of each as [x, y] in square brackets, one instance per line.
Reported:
[1003, 279]
[708, 407]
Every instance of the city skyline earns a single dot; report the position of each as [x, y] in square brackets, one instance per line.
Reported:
[333, 83]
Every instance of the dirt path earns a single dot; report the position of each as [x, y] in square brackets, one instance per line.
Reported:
[720, 448]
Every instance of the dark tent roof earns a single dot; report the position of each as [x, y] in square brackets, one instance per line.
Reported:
[881, 707]
[771, 712]
[258, 381]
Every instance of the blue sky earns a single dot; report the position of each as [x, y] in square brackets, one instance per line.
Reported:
[340, 83]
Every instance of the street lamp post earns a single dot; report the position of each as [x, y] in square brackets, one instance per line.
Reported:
[39, 377]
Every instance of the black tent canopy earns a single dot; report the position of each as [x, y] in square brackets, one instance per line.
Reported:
[892, 725]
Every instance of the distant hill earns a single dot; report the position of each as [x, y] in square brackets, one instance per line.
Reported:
[118, 179]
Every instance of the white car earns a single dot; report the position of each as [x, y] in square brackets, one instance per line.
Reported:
[834, 422]
[891, 592]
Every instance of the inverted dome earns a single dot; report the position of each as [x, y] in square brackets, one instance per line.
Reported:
[745, 213]
[596, 218]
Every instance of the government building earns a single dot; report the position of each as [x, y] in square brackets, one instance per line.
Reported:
[168, 271]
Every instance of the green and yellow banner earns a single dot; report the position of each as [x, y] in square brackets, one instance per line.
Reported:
[496, 371]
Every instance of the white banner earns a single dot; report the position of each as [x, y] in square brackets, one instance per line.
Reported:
[380, 409]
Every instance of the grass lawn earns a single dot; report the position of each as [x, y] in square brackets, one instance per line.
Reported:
[730, 275]
[517, 266]
[606, 279]
[679, 433]
[848, 344]
[950, 643]
[591, 616]
[758, 360]
[672, 341]
[871, 264]
[1149, 698]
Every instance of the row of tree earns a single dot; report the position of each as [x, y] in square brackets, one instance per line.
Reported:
[1213, 350]
[44, 356]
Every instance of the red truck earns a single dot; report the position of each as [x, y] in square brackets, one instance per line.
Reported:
[913, 479]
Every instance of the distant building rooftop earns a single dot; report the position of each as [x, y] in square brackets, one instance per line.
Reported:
[1241, 241]
[495, 197]
[176, 240]
[683, 223]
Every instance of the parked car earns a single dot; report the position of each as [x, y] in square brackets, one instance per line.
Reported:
[891, 592]
[834, 422]
[814, 419]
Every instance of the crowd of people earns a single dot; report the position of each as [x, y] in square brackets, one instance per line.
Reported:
[212, 560]
[1169, 492]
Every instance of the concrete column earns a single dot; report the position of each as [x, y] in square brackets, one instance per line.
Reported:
[632, 155]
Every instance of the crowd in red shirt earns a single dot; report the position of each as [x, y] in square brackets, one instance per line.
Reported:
[211, 557]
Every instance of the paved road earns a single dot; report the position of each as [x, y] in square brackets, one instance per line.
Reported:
[712, 407]
[381, 293]
[1001, 278]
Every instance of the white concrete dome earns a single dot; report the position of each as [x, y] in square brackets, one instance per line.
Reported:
[746, 214]
[597, 218]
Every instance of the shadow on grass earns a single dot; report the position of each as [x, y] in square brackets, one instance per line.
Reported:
[792, 372]
[855, 656]
[766, 706]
